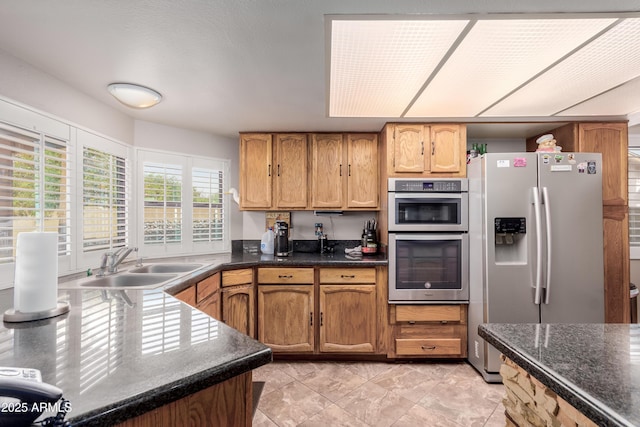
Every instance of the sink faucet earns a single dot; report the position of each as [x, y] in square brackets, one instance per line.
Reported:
[110, 260]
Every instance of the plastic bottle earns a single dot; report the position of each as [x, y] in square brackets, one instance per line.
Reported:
[266, 244]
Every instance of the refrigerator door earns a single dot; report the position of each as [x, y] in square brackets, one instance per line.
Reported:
[571, 184]
[509, 182]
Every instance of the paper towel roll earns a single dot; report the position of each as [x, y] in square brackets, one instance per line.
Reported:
[36, 275]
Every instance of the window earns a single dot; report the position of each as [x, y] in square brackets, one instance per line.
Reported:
[34, 188]
[104, 200]
[162, 203]
[634, 201]
[183, 205]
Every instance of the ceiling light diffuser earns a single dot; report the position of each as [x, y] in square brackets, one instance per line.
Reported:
[134, 96]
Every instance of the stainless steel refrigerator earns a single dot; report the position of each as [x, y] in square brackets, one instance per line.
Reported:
[535, 242]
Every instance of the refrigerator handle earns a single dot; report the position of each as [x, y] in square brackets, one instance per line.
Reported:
[536, 209]
[547, 214]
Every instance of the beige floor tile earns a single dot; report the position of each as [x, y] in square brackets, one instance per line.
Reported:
[261, 420]
[375, 405]
[407, 382]
[273, 376]
[299, 370]
[419, 416]
[292, 404]
[333, 416]
[368, 370]
[497, 419]
[333, 381]
[435, 370]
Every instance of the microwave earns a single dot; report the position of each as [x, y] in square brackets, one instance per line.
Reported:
[439, 205]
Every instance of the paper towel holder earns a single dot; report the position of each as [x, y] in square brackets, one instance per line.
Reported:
[15, 316]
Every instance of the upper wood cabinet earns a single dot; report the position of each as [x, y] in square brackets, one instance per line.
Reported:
[291, 171]
[425, 149]
[362, 171]
[327, 160]
[256, 163]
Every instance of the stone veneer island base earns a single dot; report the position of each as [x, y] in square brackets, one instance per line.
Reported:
[530, 403]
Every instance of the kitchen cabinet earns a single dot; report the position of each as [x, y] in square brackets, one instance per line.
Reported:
[611, 140]
[347, 321]
[256, 156]
[208, 296]
[291, 171]
[286, 309]
[239, 300]
[418, 150]
[430, 331]
[344, 171]
[187, 296]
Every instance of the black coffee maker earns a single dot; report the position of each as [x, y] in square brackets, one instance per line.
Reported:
[281, 244]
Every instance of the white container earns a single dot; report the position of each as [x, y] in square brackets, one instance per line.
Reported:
[266, 245]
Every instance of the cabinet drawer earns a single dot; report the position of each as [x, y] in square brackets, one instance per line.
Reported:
[237, 277]
[429, 313]
[425, 347]
[207, 287]
[347, 275]
[285, 275]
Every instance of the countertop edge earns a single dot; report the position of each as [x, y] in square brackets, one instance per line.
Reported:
[124, 410]
[600, 414]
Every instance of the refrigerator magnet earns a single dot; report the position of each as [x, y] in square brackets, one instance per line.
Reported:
[591, 168]
[519, 162]
[571, 157]
[545, 159]
[582, 166]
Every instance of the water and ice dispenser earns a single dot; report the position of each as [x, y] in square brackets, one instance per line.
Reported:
[510, 240]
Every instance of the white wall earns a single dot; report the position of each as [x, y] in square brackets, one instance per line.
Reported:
[22, 83]
[161, 137]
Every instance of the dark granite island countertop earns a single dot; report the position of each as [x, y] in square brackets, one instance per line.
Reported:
[594, 367]
[121, 353]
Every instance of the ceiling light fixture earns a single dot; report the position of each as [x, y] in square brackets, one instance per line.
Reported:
[134, 96]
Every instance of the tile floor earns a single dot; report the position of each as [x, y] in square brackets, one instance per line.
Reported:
[376, 394]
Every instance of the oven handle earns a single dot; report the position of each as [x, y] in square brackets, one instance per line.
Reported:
[428, 195]
[536, 210]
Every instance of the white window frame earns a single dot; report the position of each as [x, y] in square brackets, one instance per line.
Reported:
[186, 245]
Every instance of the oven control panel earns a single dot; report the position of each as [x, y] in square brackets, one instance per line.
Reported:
[428, 185]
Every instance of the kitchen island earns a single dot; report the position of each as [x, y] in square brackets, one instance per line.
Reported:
[584, 374]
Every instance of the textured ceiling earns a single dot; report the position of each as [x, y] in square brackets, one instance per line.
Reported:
[223, 66]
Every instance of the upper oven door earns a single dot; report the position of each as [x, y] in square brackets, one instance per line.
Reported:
[428, 211]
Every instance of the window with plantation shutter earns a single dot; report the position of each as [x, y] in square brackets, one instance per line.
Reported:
[35, 187]
[208, 205]
[104, 200]
[162, 203]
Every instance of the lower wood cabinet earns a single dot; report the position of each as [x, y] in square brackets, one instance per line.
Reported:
[430, 330]
[285, 317]
[239, 300]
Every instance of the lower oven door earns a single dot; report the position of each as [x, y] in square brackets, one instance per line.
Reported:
[428, 267]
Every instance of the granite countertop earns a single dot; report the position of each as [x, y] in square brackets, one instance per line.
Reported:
[594, 367]
[120, 353]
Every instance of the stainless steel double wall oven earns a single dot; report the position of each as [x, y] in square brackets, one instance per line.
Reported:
[428, 240]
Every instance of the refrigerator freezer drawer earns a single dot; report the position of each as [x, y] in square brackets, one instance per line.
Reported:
[428, 347]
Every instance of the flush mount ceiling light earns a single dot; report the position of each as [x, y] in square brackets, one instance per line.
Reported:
[134, 96]
[483, 67]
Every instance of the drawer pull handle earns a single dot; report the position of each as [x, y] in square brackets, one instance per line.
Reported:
[311, 318]
[284, 276]
[321, 319]
[346, 276]
[428, 347]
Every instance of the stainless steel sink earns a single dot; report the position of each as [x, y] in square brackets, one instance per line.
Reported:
[166, 268]
[125, 280]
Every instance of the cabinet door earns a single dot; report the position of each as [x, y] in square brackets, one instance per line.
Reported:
[187, 296]
[291, 171]
[363, 185]
[444, 146]
[211, 305]
[255, 171]
[348, 318]
[238, 308]
[285, 317]
[408, 149]
[611, 140]
[327, 177]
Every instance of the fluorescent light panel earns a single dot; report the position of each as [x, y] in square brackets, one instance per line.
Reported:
[610, 60]
[377, 67]
[496, 57]
[621, 100]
